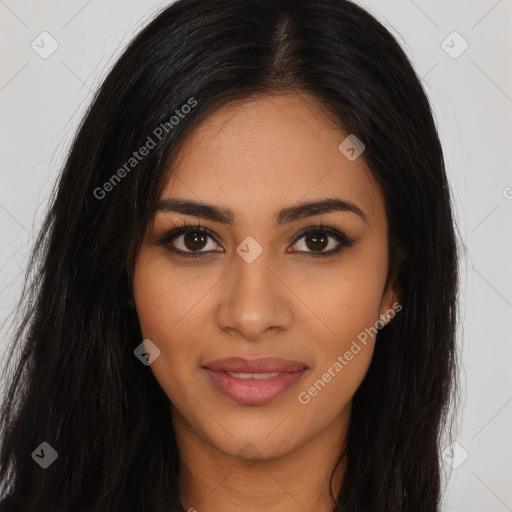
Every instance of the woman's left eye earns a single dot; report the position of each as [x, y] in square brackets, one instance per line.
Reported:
[193, 242]
[317, 239]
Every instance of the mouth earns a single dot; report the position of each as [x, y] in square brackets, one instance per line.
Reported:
[254, 381]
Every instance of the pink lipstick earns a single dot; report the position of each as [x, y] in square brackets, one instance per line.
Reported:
[254, 381]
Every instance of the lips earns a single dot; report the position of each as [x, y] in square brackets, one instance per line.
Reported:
[254, 381]
[260, 365]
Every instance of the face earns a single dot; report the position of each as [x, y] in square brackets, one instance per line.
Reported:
[260, 279]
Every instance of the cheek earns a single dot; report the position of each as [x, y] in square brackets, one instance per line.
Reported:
[169, 316]
[349, 309]
[166, 298]
[347, 299]
[343, 353]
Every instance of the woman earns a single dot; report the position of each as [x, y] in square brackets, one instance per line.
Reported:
[244, 292]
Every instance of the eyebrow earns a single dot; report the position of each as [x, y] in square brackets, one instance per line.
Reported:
[285, 216]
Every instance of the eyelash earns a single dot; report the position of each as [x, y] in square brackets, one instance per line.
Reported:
[167, 238]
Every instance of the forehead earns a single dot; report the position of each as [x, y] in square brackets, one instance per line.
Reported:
[257, 155]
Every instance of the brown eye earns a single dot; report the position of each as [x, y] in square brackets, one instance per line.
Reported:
[194, 241]
[321, 241]
[316, 241]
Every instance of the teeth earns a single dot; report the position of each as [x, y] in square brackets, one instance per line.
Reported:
[258, 376]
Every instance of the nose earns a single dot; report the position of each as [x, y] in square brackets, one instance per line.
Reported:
[254, 301]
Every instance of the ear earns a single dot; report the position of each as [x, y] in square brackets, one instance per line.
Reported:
[390, 303]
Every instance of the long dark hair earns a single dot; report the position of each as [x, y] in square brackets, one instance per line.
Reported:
[76, 383]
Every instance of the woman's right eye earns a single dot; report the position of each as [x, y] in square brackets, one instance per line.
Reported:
[190, 241]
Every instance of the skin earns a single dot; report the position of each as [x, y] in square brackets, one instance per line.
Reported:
[255, 158]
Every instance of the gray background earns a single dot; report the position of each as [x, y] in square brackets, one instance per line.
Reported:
[42, 101]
